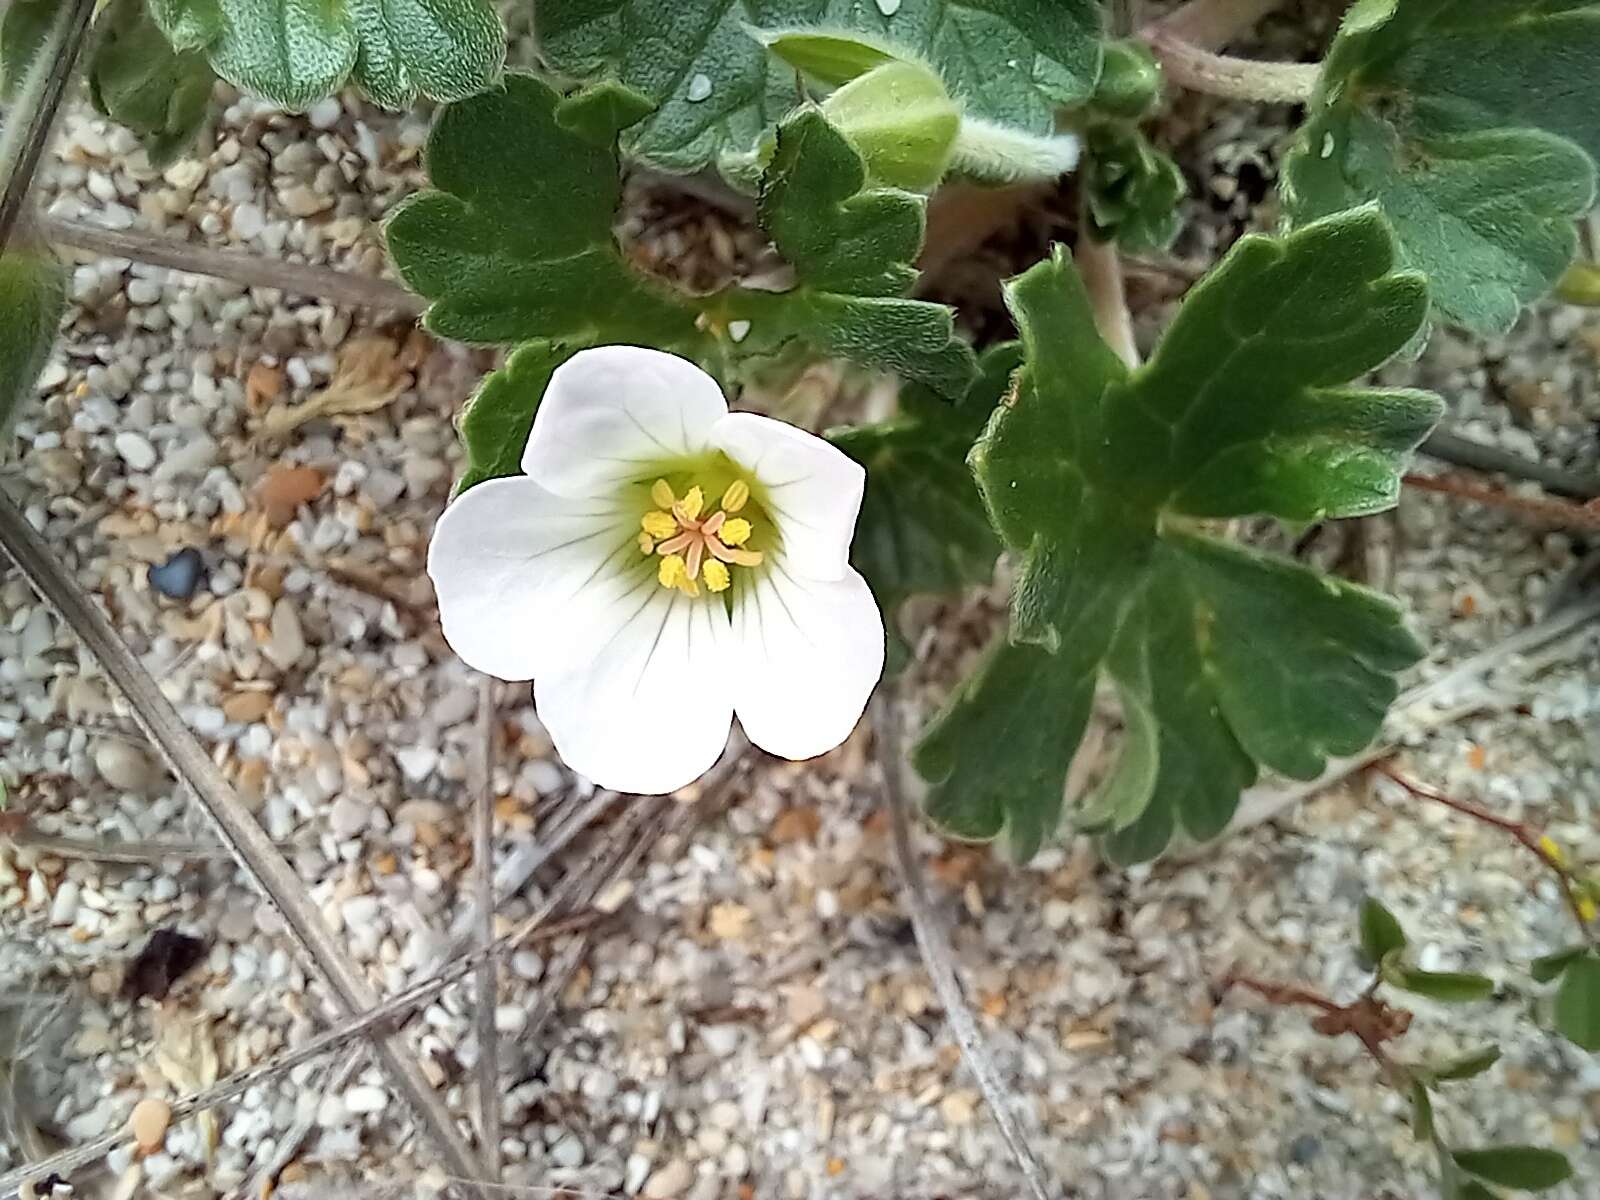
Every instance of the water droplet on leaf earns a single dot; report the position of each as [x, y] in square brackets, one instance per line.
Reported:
[888, 7]
[699, 88]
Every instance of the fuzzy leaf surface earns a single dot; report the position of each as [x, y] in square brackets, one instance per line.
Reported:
[1476, 125]
[33, 295]
[137, 79]
[716, 87]
[1093, 475]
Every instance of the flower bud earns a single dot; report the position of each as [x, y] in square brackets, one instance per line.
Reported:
[1130, 81]
[902, 122]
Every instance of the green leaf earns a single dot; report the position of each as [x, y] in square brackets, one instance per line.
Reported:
[1526, 1168]
[922, 526]
[1475, 125]
[497, 420]
[1421, 1112]
[1578, 1002]
[598, 114]
[295, 52]
[1468, 1066]
[1447, 987]
[1092, 475]
[1380, 933]
[717, 88]
[1550, 966]
[1132, 189]
[517, 244]
[23, 29]
[33, 295]
[137, 79]
[1471, 1189]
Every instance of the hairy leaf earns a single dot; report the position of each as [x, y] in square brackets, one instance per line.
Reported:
[497, 420]
[23, 29]
[922, 526]
[137, 79]
[1578, 1002]
[1093, 476]
[1526, 1168]
[1380, 933]
[716, 87]
[295, 52]
[1131, 188]
[516, 243]
[1475, 124]
[33, 295]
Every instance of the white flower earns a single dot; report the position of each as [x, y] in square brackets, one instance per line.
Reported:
[663, 566]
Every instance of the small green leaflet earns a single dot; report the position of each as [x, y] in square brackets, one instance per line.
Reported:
[1475, 123]
[1578, 1002]
[1468, 1066]
[1550, 966]
[1380, 933]
[1447, 987]
[33, 295]
[716, 88]
[517, 244]
[1421, 1112]
[922, 526]
[1526, 1168]
[137, 79]
[1094, 476]
[1131, 188]
[295, 52]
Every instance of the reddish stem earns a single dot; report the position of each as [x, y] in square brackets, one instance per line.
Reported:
[1561, 513]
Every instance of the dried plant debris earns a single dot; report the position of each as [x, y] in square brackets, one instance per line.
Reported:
[166, 958]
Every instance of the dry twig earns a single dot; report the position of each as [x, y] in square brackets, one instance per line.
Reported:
[483, 869]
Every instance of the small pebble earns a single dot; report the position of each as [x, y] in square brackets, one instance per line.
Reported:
[124, 766]
[365, 1098]
[179, 577]
[568, 1152]
[135, 450]
[671, 1180]
[149, 1122]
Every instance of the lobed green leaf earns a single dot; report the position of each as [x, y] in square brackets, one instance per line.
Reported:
[137, 79]
[496, 421]
[1223, 657]
[716, 87]
[1474, 123]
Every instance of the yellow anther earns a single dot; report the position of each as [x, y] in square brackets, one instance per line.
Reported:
[733, 499]
[661, 494]
[673, 571]
[693, 501]
[1552, 851]
[658, 525]
[1586, 906]
[735, 532]
[715, 575]
[647, 544]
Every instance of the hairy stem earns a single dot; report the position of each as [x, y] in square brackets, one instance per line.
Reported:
[323, 283]
[1199, 70]
[1210, 24]
[1101, 270]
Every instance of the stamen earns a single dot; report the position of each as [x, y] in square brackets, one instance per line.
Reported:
[744, 558]
[715, 575]
[658, 524]
[691, 504]
[735, 532]
[734, 498]
[646, 544]
[661, 494]
[713, 523]
[673, 574]
[676, 545]
[697, 550]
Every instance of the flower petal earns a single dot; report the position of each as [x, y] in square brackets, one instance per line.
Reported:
[506, 558]
[812, 490]
[611, 412]
[646, 712]
[808, 653]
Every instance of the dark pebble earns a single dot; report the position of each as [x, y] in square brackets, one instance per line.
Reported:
[179, 577]
[1303, 1149]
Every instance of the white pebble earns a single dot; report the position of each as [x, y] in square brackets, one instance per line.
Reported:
[325, 113]
[671, 1180]
[135, 449]
[568, 1152]
[417, 762]
[365, 1098]
[123, 766]
[64, 909]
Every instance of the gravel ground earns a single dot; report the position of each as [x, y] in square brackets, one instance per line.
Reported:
[754, 1020]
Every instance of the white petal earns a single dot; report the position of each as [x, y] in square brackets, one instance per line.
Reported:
[506, 558]
[813, 490]
[808, 654]
[651, 710]
[613, 411]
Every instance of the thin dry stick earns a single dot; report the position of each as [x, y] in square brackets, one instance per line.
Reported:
[935, 948]
[1448, 446]
[483, 854]
[334, 1082]
[237, 829]
[323, 283]
[1542, 510]
[1233, 78]
[1101, 270]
